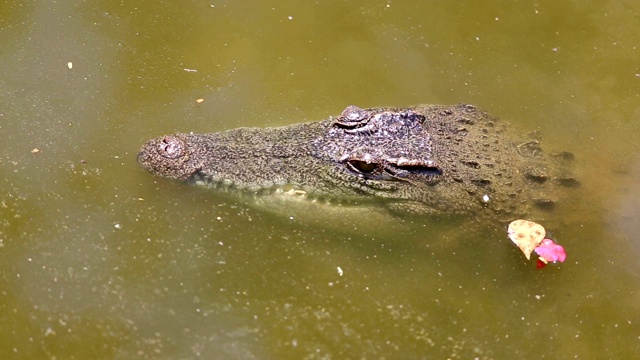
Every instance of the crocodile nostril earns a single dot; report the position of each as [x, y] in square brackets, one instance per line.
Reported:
[171, 147]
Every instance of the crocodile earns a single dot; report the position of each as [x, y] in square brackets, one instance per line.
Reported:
[421, 160]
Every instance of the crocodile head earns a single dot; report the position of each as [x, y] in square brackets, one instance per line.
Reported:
[428, 159]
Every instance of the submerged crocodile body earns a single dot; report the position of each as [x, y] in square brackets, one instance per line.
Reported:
[423, 160]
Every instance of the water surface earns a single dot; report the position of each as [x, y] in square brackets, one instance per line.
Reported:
[100, 260]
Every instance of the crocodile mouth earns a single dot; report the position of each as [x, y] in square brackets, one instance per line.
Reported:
[226, 185]
[287, 190]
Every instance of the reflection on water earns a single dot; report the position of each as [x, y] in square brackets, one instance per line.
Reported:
[100, 260]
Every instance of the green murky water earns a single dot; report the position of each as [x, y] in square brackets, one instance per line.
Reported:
[101, 260]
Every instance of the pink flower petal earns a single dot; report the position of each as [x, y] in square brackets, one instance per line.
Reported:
[550, 251]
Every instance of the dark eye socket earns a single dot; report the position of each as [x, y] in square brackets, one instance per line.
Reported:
[422, 169]
[363, 166]
[371, 168]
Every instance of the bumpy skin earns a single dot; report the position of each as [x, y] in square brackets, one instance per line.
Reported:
[428, 159]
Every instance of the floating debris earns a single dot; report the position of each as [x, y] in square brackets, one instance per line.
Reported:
[530, 236]
[527, 235]
[549, 251]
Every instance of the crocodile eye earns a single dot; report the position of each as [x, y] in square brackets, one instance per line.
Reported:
[363, 166]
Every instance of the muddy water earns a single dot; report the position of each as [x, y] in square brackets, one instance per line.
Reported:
[100, 260]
